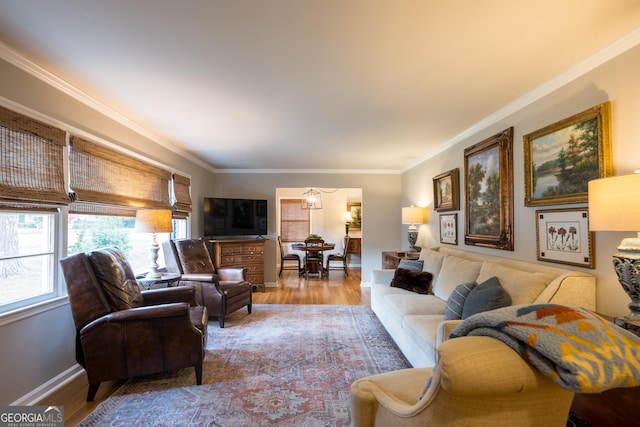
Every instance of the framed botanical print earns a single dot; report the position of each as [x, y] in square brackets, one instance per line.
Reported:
[488, 171]
[449, 229]
[563, 236]
[446, 191]
[560, 159]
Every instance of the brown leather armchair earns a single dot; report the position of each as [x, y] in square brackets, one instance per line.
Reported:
[122, 331]
[222, 290]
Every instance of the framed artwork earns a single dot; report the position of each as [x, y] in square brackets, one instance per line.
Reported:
[560, 159]
[488, 171]
[446, 191]
[449, 229]
[356, 215]
[563, 236]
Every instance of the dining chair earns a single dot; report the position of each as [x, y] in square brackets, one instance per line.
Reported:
[314, 257]
[337, 257]
[285, 257]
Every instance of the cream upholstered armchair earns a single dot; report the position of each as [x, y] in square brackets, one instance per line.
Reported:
[477, 381]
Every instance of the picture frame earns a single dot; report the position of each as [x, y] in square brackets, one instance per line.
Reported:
[449, 228]
[488, 169]
[560, 159]
[446, 191]
[563, 236]
[355, 208]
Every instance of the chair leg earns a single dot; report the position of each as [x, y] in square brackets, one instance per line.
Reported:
[281, 267]
[93, 389]
[249, 308]
[198, 368]
[221, 320]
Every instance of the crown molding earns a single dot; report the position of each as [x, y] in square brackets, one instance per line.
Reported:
[609, 52]
[313, 171]
[17, 59]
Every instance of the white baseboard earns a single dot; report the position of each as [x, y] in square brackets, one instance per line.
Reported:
[39, 394]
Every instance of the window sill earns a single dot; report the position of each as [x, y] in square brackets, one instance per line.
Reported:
[32, 310]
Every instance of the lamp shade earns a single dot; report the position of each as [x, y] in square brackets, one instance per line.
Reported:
[614, 203]
[414, 215]
[154, 221]
[348, 217]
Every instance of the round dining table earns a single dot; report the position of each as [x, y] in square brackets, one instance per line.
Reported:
[307, 268]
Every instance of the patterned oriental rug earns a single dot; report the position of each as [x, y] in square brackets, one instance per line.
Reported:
[282, 365]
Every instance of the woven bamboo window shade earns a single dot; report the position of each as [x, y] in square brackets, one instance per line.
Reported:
[31, 162]
[107, 178]
[181, 196]
[294, 222]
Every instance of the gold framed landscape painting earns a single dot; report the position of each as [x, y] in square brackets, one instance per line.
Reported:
[563, 237]
[488, 170]
[560, 159]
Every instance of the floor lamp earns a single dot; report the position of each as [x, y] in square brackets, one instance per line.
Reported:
[413, 215]
[614, 205]
[154, 221]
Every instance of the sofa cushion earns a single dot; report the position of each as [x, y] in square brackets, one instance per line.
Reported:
[415, 304]
[432, 262]
[411, 264]
[523, 286]
[454, 271]
[411, 280]
[486, 296]
[455, 303]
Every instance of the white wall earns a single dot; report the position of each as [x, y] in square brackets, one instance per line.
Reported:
[615, 81]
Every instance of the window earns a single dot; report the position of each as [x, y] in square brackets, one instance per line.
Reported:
[27, 258]
[294, 221]
[89, 232]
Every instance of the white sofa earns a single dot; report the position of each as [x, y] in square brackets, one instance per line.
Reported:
[416, 321]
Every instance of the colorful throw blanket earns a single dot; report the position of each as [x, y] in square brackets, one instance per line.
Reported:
[577, 349]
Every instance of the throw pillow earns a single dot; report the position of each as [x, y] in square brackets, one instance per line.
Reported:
[486, 296]
[411, 280]
[411, 264]
[455, 303]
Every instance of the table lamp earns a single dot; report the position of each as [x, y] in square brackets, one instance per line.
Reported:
[614, 205]
[154, 221]
[347, 220]
[413, 215]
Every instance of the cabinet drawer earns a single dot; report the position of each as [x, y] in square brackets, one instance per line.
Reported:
[255, 278]
[254, 268]
[252, 249]
[227, 260]
[230, 249]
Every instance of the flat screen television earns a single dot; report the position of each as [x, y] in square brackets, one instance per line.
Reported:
[234, 217]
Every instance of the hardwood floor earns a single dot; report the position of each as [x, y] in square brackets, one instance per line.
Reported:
[291, 290]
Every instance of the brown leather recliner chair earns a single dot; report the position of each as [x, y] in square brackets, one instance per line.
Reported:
[121, 331]
[222, 291]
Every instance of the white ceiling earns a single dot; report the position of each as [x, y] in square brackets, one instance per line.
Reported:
[312, 84]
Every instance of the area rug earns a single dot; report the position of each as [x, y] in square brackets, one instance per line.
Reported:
[282, 365]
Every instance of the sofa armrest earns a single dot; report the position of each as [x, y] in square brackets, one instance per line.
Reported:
[444, 330]
[382, 277]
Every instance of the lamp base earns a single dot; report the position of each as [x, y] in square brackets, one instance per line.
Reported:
[412, 236]
[628, 272]
[153, 260]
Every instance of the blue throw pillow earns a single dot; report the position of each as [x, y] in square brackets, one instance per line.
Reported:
[486, 296]
[411, 264]
[455, 303]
